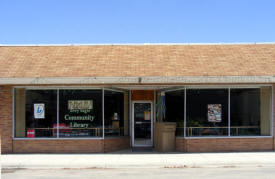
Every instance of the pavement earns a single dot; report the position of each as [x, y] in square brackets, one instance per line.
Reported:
[138, 160]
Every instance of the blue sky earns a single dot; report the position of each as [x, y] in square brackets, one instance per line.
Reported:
[136, 21]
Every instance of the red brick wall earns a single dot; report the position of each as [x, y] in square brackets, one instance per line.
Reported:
[58, 146]
[115, 144]
[224, 144]
[142, 95]
[180, 145]
[6, 118]
[71, 146]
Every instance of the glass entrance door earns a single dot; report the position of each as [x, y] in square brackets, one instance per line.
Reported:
[142, 124]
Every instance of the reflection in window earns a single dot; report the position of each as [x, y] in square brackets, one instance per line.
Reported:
[207, 112]
[80, 113]
[116, 121]
[250, 111]
[35, 113]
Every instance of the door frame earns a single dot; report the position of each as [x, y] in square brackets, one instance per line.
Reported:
[133, 123]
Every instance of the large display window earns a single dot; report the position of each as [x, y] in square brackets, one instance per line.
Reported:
[70, 113]
[223, 112]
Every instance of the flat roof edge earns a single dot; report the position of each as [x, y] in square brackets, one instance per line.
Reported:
[136, 44]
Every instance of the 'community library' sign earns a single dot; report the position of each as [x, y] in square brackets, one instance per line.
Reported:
[79, 113]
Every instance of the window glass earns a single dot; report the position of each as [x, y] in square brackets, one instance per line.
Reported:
[80, 113]
[207, 112]
[35, 113]
[114, 113]
[250, 111]
[174, 105]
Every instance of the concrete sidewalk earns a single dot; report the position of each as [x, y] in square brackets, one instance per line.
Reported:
[139, 160]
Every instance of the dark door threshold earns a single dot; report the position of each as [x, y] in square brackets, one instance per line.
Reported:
[142, 149]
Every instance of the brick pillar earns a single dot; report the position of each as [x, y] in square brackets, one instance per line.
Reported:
[273, 126]
[0, 140]
[6, 118]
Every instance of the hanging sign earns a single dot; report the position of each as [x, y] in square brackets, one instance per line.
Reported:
[214, 112]
[39, 111]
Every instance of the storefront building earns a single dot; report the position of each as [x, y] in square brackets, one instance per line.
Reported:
[104, 98]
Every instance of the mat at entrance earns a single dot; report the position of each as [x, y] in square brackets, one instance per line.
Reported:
[142, 149]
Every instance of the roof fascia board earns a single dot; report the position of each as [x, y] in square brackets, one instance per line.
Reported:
[139, 80]
[210, 79]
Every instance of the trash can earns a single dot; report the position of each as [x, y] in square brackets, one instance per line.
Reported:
[165, 136]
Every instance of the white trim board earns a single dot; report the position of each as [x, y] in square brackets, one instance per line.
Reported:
[139, 80]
